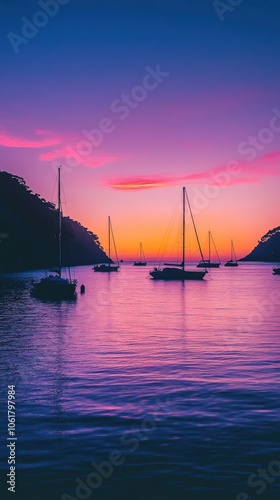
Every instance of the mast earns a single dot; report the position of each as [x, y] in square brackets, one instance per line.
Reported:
[209, 243]
[143, 255]
[141, 252]
[59, 223]
[109, 239]
[195, 230]
[114, 243]
[184, 226]
[214, 247]
[231, 250]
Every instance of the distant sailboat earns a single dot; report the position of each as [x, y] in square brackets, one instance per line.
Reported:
[177, 271]
[232, 262]
[142, 261]
[207, 263]
[276, 270]
[54, 286]
[109, 268]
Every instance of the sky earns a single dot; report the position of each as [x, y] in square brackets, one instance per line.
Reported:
[137, 99]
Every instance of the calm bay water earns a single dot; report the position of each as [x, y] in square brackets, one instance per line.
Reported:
[182, 379]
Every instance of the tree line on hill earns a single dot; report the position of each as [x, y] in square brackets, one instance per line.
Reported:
[29, 231]
[267, 249]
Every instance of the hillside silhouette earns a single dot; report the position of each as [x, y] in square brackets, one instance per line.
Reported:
[29, 227]
[268, 248]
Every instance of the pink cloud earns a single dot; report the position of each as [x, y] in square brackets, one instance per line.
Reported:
[46, 139]
[74, 159]
[263, 166]
[139, 183]
[51, 155]
[244, 173]
[100, 160]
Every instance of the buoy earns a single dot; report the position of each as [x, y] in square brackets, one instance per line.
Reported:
[83, 289]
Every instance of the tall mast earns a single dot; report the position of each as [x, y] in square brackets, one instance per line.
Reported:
[114, 243]
[209, 238]
[143, 255]
[194, 226]
[109, 239]
[231, 250]
[184, 224]
[59, 223]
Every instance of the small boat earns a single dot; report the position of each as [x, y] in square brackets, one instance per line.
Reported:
[207, 263]
[109, 268]
[232, 262]
[276, 270]
[177, 272]
[54, 286]
[142, 261]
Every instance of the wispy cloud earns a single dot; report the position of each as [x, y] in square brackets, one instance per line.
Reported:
[91, 161]
[47, 139]
[139, 183]
[44, 138]
[249, 173]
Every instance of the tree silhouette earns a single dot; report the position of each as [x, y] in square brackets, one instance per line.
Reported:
[30, 223]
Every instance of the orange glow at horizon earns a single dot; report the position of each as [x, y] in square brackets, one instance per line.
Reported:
[148, 223]
[242, 213]
[128, 248]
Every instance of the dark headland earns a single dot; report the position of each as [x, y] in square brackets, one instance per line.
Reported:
[267, 249]
[28, 229]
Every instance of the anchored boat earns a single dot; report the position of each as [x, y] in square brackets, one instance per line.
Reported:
[178, 271]
[207, 263]
[109, 268]
[142, 261]
[232, 262]
[54, 286]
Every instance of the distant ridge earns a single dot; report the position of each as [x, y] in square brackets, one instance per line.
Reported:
[28, 229]
[268, 248]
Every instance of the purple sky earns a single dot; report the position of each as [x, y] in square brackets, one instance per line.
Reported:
[136, 100]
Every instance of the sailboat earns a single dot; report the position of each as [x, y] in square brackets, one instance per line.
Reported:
[142, 261]
[109, 268]
[177, 271]
[232, 262]
[276, 270]
[54, 286]
[207, 263]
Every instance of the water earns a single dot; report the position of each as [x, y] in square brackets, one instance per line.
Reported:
[182, 379]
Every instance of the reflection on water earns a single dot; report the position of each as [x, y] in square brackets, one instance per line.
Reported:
[181, 378]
